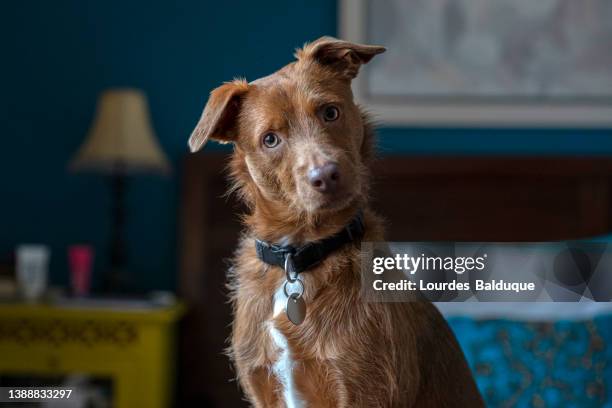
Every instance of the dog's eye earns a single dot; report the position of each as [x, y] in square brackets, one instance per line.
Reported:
[331, 113]
[271, 140]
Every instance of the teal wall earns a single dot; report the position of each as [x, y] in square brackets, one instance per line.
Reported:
[57, 57]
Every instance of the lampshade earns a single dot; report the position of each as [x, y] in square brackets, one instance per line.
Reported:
[121, 139]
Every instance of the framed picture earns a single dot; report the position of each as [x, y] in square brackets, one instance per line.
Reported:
[485, 63]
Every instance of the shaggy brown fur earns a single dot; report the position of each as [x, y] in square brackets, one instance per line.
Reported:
[347, 352]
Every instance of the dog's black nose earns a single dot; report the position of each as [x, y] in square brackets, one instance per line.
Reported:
[324, 178]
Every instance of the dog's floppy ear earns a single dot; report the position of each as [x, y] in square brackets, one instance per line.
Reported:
[219, 117]
[344, 56]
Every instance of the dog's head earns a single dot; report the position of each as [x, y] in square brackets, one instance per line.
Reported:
[300, 141]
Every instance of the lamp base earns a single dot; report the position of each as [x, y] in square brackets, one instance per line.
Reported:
[116, 278]
[116, 281]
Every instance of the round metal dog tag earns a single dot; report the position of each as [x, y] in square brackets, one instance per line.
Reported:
[296, 309]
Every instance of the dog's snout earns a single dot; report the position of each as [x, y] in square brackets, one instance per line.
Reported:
[324, 178]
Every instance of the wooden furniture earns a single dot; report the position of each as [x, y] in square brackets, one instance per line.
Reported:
[424, 199]
[133, 348]
[494, 199]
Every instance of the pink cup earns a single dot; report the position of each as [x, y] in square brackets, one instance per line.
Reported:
[80, 258]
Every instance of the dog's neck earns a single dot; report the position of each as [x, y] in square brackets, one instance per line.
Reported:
[288, 228]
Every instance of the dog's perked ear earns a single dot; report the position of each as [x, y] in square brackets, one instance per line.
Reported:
[344, 56]
[218, 121]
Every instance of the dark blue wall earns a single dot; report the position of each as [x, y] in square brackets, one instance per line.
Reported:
[57, 57]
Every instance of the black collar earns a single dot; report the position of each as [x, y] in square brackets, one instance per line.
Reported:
[309, 255]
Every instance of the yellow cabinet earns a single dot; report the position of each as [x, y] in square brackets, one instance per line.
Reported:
[133, 348]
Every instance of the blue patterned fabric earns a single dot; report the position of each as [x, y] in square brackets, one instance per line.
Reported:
[527, 364]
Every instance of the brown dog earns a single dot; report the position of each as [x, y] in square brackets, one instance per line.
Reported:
[302, 151]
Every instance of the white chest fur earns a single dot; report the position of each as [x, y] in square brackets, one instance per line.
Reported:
[284, 365]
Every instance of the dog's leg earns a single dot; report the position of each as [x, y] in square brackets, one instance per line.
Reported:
[321, 385]
[262, 388]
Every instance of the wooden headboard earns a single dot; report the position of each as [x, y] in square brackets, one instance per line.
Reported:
[424, 199]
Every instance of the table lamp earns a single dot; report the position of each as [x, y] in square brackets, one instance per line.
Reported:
[120, 142]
